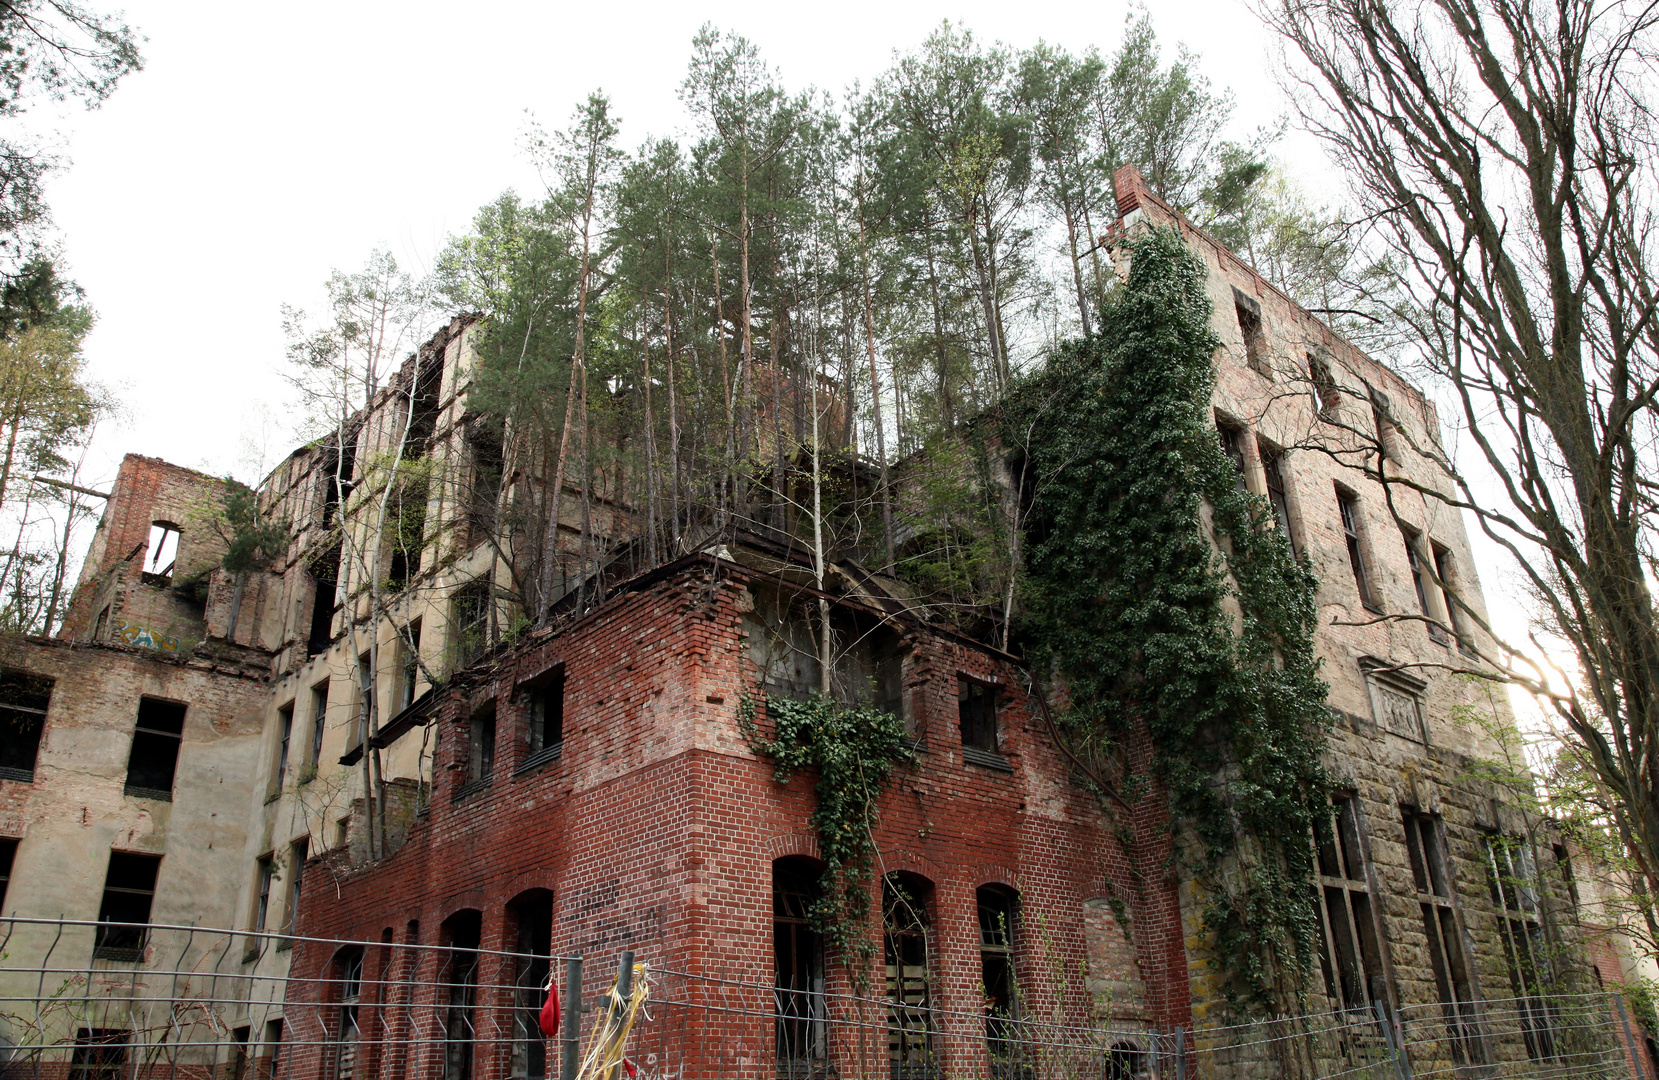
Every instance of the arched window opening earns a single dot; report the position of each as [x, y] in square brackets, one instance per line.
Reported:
[532, 911]
[462, 932]
[798, 951]
[904, 908]
[998, 915]
[348, 975]
[1126, 1062]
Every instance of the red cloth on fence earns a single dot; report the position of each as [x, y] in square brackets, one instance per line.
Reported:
[550, 1013]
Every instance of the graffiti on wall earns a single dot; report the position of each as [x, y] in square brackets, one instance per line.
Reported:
[129, 633]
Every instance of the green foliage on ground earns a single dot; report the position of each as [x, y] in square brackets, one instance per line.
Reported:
[1149, 622]
[854, 750]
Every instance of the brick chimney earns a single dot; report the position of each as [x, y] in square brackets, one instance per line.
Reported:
[1130, 186]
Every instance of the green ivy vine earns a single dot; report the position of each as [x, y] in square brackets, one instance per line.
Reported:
[1149, 621]
[854, 750]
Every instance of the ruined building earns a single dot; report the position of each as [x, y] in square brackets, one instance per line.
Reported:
[196, 748]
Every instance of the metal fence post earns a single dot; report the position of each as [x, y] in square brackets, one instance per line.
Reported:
[573, 1018]
[1385, 1020]
[1630, 1039]
[1180, 1053]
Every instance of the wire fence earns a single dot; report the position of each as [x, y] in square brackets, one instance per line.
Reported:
[91, 1001]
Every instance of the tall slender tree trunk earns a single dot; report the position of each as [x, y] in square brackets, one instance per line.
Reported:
[673, 406]
[875, 388]
[947, 412]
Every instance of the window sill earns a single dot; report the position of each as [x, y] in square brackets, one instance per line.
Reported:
[284, 944]
[121, 954]
[541, 757]
[1372, 608]
[469, 790]
[154, 794]
[988, 759]
[22, 776]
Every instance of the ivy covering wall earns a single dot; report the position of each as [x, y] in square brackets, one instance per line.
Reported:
[1164, 599]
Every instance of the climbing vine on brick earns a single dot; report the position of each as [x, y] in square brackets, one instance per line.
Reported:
[1131, 603]
[854, 750]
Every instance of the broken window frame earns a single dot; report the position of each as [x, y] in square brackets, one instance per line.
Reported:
[544, 707]
[155, 748]
[25, 700]
[976, 721]
[1517, 905]
[481, 749]
[1352, 957]
[366, 676]
[319, 721]
[285, 727]
[906, 934]
[1348, 510]
[264, 877]
[1326, 391]
[486, 474]
[1277, 479]
[998, 909]
[800, 1035]
[100, 1054]
[130, 880]
[347, 1033]
[1442, 931]
[162, 544]
[411, 671]
[470, 617]
[531, 914]
[1445, 568]
[1419, 581]
[297, 852]
[1231, 436]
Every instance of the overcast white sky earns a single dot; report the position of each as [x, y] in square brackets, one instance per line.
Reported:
[261, 147]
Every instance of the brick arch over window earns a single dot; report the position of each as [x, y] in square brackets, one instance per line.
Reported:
[472, 900]
[784, 845]
[903, 860]
[997, 874]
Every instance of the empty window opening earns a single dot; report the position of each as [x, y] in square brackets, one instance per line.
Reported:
[161, 553]
[265, 876]
[463, 930]
[348, 974]
[285, 736]
[1512, 876]
[1325, 388]
[481, 748]
[1419, 580]
[338, 468]
[8, 855]
[297, 852]
[998, 912]
[124, 915]
[1126, 1061]
[1381, 417]
[273, 1048]
[411, 666]
[798, 966]
[484, 491]
[423, 410]
[24, 699]
[325, 601]
[1232, 444]
[407, 529]
[1431, 873]
[1249, 311]
[905, 923]
[533, 912]
[1273, 468]
[976, 713]
[239, 1038]
[155, 749]
[472, 623]
[1351, 959]
[319, 716]
[547, 718]
[365, 697]
[1563, 866]
[1348, 506]
[100, 1054]
[1456, 620]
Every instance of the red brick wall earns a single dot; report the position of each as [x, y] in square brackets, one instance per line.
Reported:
[657, 827]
